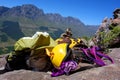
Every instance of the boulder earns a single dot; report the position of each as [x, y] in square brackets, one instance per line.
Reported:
[86, 72]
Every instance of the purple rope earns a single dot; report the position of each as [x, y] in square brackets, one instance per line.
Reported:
[106, 56]
[99, 62]
[97, 55]
[100, 54]
[98, 59]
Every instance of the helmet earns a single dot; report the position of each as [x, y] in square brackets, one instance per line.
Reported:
[59, 54]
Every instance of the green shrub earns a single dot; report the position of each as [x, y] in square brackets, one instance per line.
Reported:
[107, 38]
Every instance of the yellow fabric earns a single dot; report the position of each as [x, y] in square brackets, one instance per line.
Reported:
[11, 56]
[73, 43]
[78, 40]
[39, 40]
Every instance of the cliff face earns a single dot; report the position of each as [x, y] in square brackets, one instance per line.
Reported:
[87, 71]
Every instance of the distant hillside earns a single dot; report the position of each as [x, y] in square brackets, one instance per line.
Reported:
[25, 20]
[92, 28]
[12, 29]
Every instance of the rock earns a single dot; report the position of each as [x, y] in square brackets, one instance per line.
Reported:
[87, 72]
[2, 60]
[115, 55]
[25, 75]
[110, 72]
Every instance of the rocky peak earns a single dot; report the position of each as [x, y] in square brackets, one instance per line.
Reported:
[73, 20]
[33, 12]
[64, 20]
[27, 10]
[55, 17]
[3, 9]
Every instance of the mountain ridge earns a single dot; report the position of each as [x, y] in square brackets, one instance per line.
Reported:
[31, 19]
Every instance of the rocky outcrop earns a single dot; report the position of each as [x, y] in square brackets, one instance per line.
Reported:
[87, 71]
[108, 33]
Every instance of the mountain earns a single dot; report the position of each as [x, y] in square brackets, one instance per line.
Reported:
[25, 20]
[92, 28]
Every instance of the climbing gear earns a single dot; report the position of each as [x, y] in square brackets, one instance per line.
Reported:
[59, 54]
[73, 43]
[24, 46]
[96, 56]
[65, 68]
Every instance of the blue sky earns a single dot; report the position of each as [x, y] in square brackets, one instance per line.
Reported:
[90, 12]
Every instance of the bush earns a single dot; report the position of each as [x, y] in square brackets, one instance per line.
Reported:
[109, 37]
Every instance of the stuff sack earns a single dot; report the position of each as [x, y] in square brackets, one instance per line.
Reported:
[38, 42]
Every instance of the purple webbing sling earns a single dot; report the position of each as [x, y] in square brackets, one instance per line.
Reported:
[96, 56]
[65, 68]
